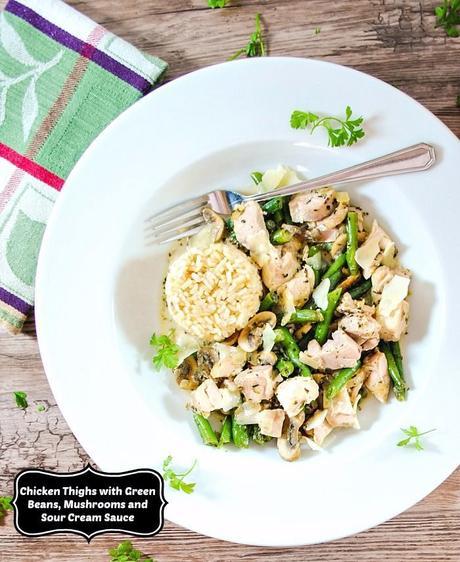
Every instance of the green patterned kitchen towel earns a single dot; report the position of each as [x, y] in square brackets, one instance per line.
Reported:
[63, 79]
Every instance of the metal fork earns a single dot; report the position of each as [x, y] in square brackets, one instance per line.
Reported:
[185, 218]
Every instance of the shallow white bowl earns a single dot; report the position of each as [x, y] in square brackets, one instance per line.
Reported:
[98, 295]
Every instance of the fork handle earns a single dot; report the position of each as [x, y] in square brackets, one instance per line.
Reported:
[411, 159]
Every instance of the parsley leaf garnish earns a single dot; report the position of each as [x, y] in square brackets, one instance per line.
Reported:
[125, 553]
[217, 3]
[176, 480]
[340, 131]
[448, 17]
[5, 505]
[413, 437]
[167, 351]
[256, 46]
[21, 399]
[41, 408]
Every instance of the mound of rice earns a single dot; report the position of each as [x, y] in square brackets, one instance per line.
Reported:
[213, 292]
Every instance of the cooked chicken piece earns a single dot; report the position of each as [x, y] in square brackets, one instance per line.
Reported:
[340, 412]
[338, 215]
[364, 329]
[320, 432]
[257, 383]
[354, 385]
[271, 422]
[295, 392]
[315, 420]
[377, 249]
[375, 369]
[348, 305]
[231, 361]
[330, 235]
[339, 244]
[282, 264]
[392, 310]
[312, 205]
[247, 413]
[337, 353]
[208, 397]
[251, 232]
[296, 292]
[289, 443]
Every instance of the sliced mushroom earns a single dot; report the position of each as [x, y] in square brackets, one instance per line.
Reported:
[206, 358]
[289, 443]
[250, 337]
[262, 358]
[187, 374]
[215, 221]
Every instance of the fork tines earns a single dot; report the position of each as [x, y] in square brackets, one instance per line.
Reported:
[177, 221]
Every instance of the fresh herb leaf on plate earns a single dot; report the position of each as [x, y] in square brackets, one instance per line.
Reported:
[448, 17]
[176, 480]
[21, 399]
[413, 437]
[340, 131]
[166, 351]
[126, 553]
[256, 46]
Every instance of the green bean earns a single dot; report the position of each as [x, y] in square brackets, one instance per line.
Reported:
[240, 435]
[273, 205]
[360, 289]
[258, 437]
[281, 236]
[352, 242]
[207, 433]
[322, 329]
[396, 350]
[340, 380]
[270, 224]
[268, 302]
[286, 339]
[278, 218]
[335, 279]
[286, 211]
[313, 250]
[256, 177]
[399, 386]
[285, 367]
[226, 432]
[335, 266]
[306, 315]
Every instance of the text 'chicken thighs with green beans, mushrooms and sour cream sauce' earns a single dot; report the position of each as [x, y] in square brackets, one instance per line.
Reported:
[285, 316]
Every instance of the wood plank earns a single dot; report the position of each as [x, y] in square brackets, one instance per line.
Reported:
[394, 40]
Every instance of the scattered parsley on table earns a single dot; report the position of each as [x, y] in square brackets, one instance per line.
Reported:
[256, 46]
[413, 437]
[340, 131]
[5, 505]
[176, 480]
[126, 553]
[448, 17]
[21, 399]
[217, 3]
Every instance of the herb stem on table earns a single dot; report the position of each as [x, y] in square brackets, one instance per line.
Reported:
[256, 46]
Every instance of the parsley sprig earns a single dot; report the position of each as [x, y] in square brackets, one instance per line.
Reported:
[5, 505]
[176, 480]
[256, 45]
[166, 351]
[340, 131]
[126, 553]
[413, 437]
[21, 399]
[448, 17]
[217, 3]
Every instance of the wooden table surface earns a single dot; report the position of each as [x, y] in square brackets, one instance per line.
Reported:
[394, 40]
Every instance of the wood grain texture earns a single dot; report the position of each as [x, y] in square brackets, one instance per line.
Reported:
[394, 40]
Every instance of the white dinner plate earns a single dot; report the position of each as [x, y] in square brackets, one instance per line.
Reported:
[99, 290]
